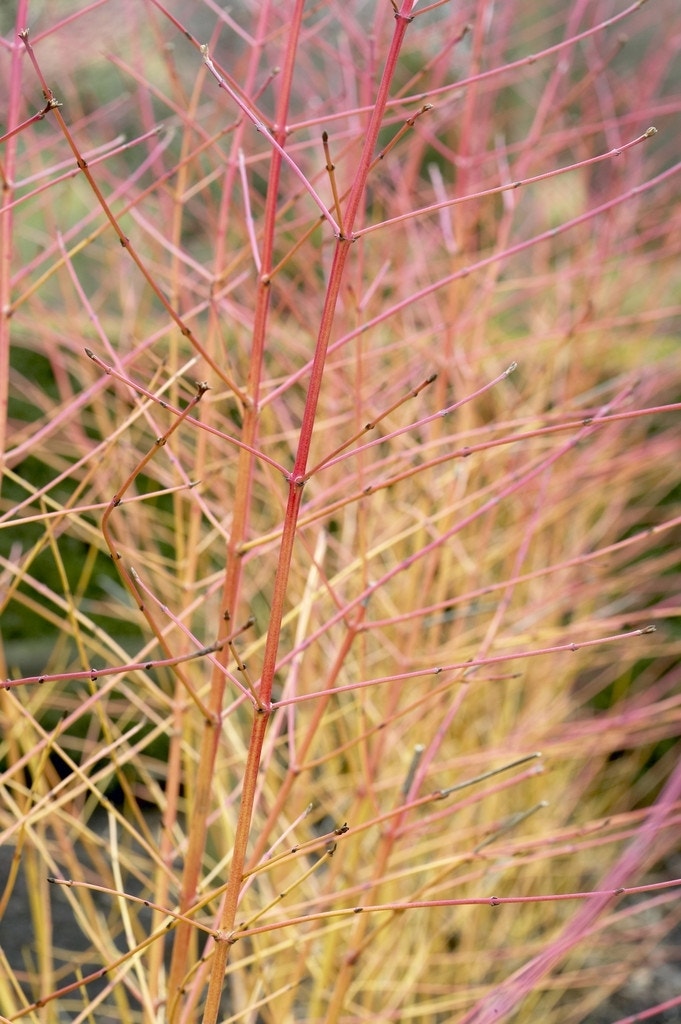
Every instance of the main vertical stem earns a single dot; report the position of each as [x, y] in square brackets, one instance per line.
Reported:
[296, 484]
[239, 528]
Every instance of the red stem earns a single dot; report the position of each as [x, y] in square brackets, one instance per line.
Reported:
[296, 483]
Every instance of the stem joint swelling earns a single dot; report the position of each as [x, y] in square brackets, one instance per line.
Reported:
[398, 14]
[53, 103]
